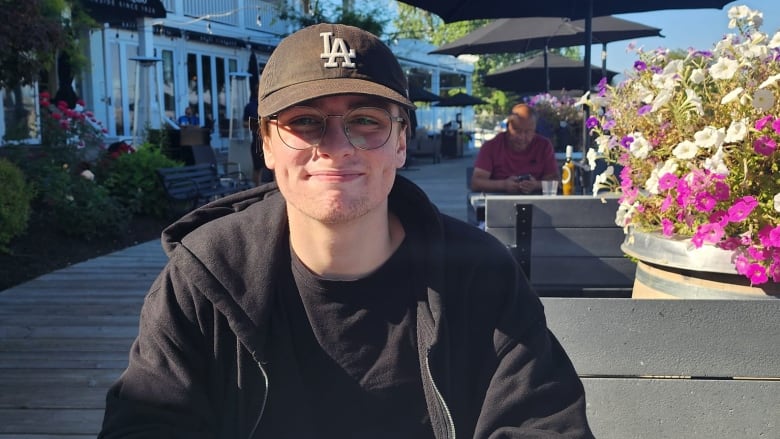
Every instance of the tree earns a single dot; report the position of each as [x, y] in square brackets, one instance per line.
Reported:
[31, 35]
[371, 17]
[415, 23]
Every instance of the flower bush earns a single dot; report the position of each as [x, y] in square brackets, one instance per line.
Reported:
[697, 136]
[559, 118]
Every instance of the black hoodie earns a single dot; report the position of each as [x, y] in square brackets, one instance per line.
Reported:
[490, 367]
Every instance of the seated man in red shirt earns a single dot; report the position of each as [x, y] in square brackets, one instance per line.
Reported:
[516, 160]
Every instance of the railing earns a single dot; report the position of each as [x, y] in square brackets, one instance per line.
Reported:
[218, 11]
[254, 15]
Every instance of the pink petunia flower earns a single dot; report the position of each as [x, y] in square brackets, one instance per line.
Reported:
[742, 209]
[761, 123]
[757, 274]
[764, 145]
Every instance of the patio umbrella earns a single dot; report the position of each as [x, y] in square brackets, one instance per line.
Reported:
[460, 100]
[517, 35]
[456, 10]
[528, 76]
[420, 94]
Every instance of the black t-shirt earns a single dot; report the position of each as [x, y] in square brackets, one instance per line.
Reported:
[344, 360]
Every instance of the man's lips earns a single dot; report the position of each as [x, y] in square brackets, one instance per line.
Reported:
[335, 175]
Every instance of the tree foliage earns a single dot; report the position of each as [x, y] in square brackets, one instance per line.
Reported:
[30, 37]
[415, 23]
[371, 17]
[34, 33]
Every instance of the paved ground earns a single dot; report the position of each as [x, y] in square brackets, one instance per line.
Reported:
[444, 182]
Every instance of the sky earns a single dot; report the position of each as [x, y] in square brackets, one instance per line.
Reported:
[683, 28]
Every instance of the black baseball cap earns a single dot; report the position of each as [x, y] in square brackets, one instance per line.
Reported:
[330, 59]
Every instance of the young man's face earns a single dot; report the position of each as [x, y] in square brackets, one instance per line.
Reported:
[334, 182]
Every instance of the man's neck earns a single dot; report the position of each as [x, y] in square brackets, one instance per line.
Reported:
[345, 251]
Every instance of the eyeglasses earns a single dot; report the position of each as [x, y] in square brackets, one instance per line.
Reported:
[365, 127]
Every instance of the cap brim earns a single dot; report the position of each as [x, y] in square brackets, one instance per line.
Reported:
[297, 93]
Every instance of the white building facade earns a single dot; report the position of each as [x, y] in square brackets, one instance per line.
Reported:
[161, 56]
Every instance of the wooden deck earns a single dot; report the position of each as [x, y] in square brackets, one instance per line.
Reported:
[65, 337]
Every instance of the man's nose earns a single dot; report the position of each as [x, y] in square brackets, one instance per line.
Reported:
[334, 137]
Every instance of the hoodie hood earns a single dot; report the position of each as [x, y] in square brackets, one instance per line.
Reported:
[231, 249]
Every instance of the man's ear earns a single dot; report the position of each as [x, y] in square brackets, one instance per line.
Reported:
[400, 150]
[268, 155]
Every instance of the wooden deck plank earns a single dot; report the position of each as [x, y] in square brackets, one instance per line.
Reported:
[65, 338]
[51, 421]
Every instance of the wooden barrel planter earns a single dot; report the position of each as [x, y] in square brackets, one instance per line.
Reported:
[671, 268]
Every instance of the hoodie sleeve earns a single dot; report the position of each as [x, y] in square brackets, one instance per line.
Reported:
[534, 391]
[162, 392]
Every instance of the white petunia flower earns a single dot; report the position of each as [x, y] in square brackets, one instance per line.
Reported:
[763, 99]
[693, 100]
[592, 155]
[775, 41]
[685, 150]
[736, 131]
[583, 99]
[776, 200]
[640, 147]
[605, 143]
[645, 94]
[674, 67]
[733, 94]
[756, 18]
[725, 45]
[698, 76]
[709, 136]
[736, 13]
[724, 68]
[716, 164]
[770, 80]
[663, 97]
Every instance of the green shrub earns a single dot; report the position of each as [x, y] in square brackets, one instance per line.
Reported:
[15, 197]
[86, 210]
[131, 180]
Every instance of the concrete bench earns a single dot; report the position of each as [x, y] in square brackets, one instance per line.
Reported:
[566, 245]
[674, 368]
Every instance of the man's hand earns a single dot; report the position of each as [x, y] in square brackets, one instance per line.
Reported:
[528, 186]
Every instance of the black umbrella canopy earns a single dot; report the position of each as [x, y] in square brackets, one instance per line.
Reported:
[457, 10]
[460, 100]
[420, 94]
[517, 35]
[528, 76]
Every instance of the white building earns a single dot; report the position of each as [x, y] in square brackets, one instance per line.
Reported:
[165, 55]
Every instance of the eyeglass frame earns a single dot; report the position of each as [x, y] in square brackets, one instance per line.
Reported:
[345, 130]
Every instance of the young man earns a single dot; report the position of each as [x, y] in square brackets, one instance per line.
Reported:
[517, 160]
[342, 304]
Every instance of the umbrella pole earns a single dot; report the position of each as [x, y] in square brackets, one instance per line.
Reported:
[588, 43]
[546, 71]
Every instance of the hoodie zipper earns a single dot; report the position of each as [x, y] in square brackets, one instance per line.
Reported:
[265, 400]
[440, 398]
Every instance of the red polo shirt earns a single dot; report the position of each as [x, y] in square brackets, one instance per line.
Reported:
[502, 161]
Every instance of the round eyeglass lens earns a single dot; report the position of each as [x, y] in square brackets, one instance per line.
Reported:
[365, 127]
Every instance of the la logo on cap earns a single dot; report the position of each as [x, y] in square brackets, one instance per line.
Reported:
[336, 48]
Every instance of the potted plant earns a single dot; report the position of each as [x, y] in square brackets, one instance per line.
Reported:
[696, 135]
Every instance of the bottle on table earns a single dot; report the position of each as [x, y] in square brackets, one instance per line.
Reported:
[567, 173]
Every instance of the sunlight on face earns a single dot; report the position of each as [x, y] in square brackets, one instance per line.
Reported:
[335, 182]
